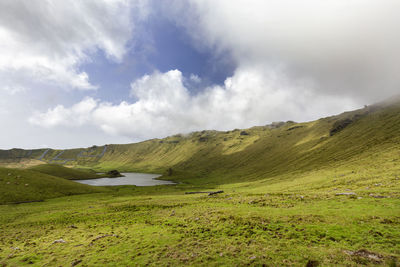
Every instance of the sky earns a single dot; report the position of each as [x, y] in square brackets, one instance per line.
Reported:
[94, 72]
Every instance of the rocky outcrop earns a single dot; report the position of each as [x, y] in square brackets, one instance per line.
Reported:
[114, 173]
[340, 125]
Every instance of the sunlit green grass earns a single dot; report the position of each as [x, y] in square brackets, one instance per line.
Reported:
[280, 205]
[26, 185]
[249, 224]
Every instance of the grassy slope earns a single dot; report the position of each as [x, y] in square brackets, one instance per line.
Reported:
[64, 172]
[226, 157]
[26, 185]
[279, 207]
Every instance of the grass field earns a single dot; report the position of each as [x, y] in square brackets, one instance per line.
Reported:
[252, 223]
[295, 194]
[26, 186]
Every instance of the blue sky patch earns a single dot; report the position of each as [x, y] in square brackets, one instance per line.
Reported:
[159, 45]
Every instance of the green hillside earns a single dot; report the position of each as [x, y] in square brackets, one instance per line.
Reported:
[244, 155]
[266, 151]
[320, 193]
[64, 172]
[26, 185]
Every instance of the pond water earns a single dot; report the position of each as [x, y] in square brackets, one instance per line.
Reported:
[131, 178]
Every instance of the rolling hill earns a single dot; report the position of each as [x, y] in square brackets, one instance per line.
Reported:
[18, 186]
[64, 172]
[320, 193]
[216, 157]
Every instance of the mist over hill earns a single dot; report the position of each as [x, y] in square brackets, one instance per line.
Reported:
[240, 154]
[324, 192]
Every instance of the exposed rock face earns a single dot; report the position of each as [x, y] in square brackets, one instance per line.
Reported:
[114, 173]
[244, 133]
[295, 127]
[340, 125]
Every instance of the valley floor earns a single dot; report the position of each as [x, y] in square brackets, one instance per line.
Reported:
[293, 220]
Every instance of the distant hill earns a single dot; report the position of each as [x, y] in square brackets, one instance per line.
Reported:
[216, 157]
[320, 193]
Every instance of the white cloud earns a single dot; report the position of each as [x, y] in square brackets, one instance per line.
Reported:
[195, 78]
[252, 96]
[296, 60]
[13, 89]
[47, 41]
[347, 48]
[77, 115]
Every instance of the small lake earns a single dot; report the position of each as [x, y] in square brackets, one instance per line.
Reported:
[131, 178]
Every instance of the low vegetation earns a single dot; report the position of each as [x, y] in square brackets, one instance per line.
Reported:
[17, 186]
[293, 195]
[288, 223]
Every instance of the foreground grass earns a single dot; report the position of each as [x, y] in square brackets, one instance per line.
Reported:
[288, 223]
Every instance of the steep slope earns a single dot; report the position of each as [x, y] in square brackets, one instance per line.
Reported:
[322, 193]
[266, 151]
[216, 157]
